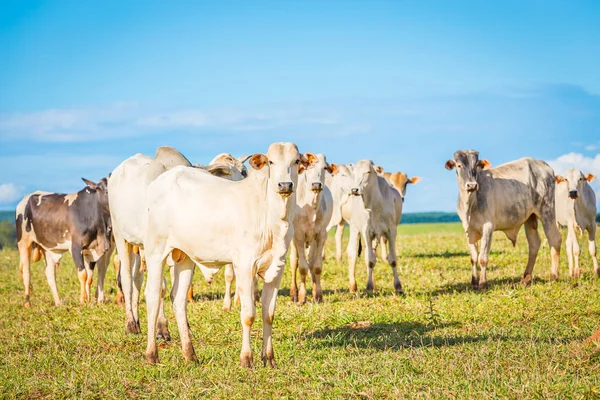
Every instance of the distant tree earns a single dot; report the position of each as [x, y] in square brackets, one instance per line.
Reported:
[8, 234]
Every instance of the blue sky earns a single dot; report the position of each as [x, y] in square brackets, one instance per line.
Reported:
[84, 85]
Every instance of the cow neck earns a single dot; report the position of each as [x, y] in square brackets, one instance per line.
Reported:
[307, 196]
[373, 198]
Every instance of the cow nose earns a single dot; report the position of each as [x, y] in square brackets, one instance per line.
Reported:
[355, 191]
[472, 186]
[317, 186]
[573, 194]
[285, 187]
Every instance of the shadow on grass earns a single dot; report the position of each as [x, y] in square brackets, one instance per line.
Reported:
[459, 287]
[449, 254]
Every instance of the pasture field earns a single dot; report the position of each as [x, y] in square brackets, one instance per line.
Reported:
[442, 340]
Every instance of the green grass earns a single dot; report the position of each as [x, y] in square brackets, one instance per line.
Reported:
[442, 340]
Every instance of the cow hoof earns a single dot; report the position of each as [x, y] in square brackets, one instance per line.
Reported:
[163, 334]
[269, 361]
[526, 281]
[597, 273]
[474, 283]
[318, 298]
[553, 277]
[482, 286]
[398, 289]
[152, 357]
[227, 306]
[246, 361]
[132, 327]
[58, 304]
[370, 288]
[191, 357]
[27, 304]
[577, 274]
[120, 299]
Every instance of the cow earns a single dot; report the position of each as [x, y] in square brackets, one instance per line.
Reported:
[314, 207]
[202, 219]
[503, 199]
[576, 209]
[340, 186]
[51, 224]
[127, 196]
[399, 180]
[374, 213]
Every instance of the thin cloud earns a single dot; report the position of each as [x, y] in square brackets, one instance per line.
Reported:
[9, 193]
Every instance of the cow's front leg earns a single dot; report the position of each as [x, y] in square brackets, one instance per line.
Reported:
[294, 265]
[82, 272]
[269, 298]
[52, 260]
[244, 275]
[102, 266]
[315, 259]
[486, 242]
[592, 248]
[370, 259]
[474, 273]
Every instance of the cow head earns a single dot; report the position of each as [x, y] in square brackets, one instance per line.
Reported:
[467, 164]
[283, 161]
[315, 172]
[400, 180]
[575, 179]
[227, 166]
[365, 173]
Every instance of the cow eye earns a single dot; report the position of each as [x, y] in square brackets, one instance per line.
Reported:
[244, 174]
[270, 162]
[297, 162]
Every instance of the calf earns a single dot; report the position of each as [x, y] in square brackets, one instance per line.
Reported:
[314, 207]
[375, 212]
[576, 209]
[210, 221]
[51, 224]
[503, 199]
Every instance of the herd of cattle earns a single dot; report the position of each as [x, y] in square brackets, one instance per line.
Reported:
[163, 209]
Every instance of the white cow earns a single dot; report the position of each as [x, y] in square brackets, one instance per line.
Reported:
[576, 209]
[374, 214]
[314, 207]
[340, 186]
[505, 198]
[214, 222]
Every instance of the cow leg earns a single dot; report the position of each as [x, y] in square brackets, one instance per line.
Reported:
[52, 260]
[554, 238]
[190, 292]
[315, 258]
[592, 248]
[486, 242]
[303, 266]
[102, 266]
[88, 282]
[570, 250]
[82, 270]
[294, 265]
[474, 253]
[370, 259]
[183, 278]
[534, 242]
[339, 233]
[120, 299]
[269, 298]
[576, 253]
[383, 244]
[352, 251]
[155, 264]
[163, 323]
[244, 276]
[126, 257]
[229, 275]
[25, 248]
[138, 279]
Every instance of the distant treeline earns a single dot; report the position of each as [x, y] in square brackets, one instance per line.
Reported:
[8, 236]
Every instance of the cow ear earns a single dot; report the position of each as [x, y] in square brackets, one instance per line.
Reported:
[301, 167]
[450, 164]
[257, 161]
[559, 179]
[590, 177]
[310, 158]
[91, 185]
[484, 164]
[332, 169]
[378, 169]
[414, 179]
[219, 170]
[243, 159]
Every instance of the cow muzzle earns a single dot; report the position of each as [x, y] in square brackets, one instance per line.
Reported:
[472, 187]
[573, 194]
[285, 188]
[355, 191]
[316, 187]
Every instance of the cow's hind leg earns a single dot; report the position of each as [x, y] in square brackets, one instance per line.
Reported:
[126, 258]
[184, 271]
[102, 266]
[486, 243]
[569, 246]
[352, 251]
[229, 275]
[155, 261]
[576, 253]
[339, 233]
[392, 259]
[592, 248]
[163, 323]
[315, 259]
[52, 260]
[244, 275]
[138, 280]
[370, 260]
[534, 242]
[89, 269]
[554, 238]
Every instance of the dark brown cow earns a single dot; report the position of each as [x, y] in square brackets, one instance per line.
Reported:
[55, 223]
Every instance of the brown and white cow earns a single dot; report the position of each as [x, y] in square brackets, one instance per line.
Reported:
[576, 209]
[505, 198]
[314, 206]
[52, 224]
[210, 221]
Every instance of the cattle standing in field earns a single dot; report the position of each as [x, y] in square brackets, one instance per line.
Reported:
[210, 221]
[127, 195]
[503, 199]
[576, 209]
[314, 206]
[51, 224]
[375, 212]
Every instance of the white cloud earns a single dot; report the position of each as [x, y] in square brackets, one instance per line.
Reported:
[592, 147]
[9, 193]
[583, 163]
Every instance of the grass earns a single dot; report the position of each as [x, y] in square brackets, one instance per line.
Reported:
[442, 340]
